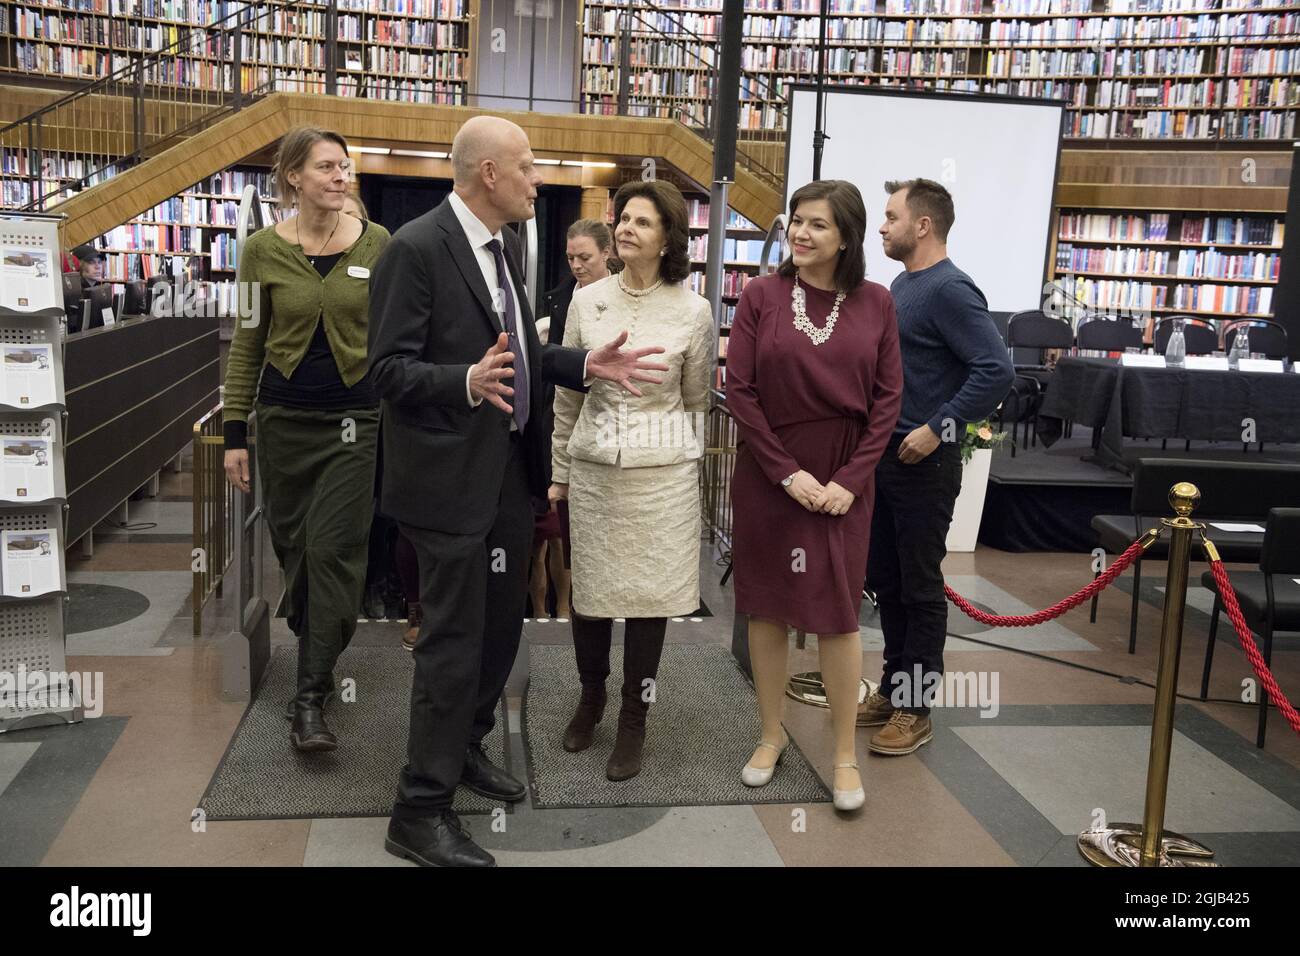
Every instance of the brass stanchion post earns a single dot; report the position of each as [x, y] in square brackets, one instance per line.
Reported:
[1148, 845]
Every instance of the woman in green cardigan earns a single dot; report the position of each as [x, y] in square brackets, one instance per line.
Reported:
[302, 351]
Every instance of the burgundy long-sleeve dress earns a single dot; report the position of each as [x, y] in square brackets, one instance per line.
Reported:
[826, 409]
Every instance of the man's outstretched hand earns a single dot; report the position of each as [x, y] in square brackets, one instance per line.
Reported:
[487, 377]
[624, 368]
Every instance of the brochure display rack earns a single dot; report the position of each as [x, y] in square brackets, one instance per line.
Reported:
[34, 685]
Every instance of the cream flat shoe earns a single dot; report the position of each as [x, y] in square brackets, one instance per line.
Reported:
[758, 776]
[848, 799]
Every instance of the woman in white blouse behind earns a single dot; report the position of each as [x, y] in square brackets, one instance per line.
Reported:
[628, 465]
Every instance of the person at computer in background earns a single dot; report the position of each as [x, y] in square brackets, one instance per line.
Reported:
[91, 266]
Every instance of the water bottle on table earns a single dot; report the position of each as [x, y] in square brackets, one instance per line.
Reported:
[1240, 346]
[1176, 349]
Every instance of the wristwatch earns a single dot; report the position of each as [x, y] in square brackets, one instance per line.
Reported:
[787, 482]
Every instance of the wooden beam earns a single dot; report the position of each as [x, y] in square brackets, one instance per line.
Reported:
[421, 126]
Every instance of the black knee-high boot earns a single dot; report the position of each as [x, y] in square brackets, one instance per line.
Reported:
[643, 644]
[591, 640]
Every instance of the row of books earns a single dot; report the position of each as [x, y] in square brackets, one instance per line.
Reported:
[231, 182]
[191, 210]
[610, 20]
[1154, 227]
[1191, 126]
[1046, 7]
[406, 30]
[651, 82]
[1232, 299]
[404, 90]
[649, 53]
[439, 66]
[698, 212]
[933, 7]
[1119, 30]
[130, 267]
[1239, 230]
[1132, 261]
[1212, 264]
[733, 282]
[223, 251]
[1203, 94]
[16, 161]
[1130, 296]
[442, 9]
[1185, 263]
[925, 62]
[49, 26]
[137, 237]
[1124, 227]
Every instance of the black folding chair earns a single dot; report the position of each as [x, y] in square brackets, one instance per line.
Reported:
[1100, 334]
[1269, 597]
[1034, 329]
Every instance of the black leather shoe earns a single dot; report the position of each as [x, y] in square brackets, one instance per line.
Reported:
[488, 780]
[437, 840]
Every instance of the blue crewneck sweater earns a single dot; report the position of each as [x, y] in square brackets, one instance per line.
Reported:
[955, 364]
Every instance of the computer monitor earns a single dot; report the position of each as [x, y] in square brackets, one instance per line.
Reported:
[155, 286]
[136, 300]
[72, 300]
[99, 298]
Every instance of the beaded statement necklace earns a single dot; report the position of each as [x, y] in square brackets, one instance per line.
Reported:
[805, 324]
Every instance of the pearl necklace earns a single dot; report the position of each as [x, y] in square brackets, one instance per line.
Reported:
[638, 293]
[804, 324]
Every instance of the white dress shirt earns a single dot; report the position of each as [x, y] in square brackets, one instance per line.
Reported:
[479, 237]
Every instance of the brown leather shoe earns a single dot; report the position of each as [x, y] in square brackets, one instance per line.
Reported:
[875, 711]
[625, 761]
[414, 617]
[902, 735]
[580, 733]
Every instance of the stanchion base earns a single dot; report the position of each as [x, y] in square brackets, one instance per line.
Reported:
[807, 688]
[1120, 844]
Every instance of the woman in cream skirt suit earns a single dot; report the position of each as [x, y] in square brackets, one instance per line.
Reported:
[628, 466]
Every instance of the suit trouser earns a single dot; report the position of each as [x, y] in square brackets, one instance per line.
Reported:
[472, 593]
[319, 502]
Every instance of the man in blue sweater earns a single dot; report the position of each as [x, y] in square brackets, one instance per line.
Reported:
[955, 370]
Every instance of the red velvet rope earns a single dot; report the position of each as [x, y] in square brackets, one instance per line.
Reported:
[1229, 599]
[1056, 610]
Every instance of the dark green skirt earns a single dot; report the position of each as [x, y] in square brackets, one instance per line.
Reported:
[318, 474]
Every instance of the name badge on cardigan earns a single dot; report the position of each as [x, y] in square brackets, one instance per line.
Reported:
[359, 272]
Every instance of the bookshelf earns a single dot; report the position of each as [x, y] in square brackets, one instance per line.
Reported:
[1216, 266]
[411, 50]
[1166, 70]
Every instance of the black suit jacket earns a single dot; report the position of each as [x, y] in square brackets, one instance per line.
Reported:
[431, 318]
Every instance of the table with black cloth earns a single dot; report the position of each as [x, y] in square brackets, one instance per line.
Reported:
[1202, 404]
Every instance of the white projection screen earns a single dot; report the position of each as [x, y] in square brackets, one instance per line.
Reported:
[998, 157]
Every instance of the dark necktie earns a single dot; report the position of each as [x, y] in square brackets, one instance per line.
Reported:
[510, 319]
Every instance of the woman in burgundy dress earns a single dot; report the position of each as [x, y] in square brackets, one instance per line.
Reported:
[814, 382]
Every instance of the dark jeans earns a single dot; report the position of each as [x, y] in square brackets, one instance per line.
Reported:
[908, 528]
